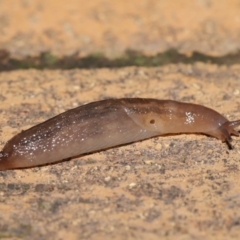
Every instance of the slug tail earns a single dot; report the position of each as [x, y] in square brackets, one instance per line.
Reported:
[4, 163]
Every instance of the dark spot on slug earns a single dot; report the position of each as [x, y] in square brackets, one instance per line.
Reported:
[152, 121]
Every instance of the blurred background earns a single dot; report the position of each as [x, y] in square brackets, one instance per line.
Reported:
[100, 31]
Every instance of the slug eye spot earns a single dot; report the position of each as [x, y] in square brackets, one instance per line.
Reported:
[152, 121]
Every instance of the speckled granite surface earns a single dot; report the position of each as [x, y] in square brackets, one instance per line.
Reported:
[175, 187]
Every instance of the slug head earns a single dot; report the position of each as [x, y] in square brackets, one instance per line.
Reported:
[224, 132]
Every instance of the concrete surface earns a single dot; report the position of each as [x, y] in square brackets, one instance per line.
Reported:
[175, 187]
[29, 27]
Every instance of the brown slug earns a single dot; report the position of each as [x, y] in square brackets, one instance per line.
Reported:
[108, 123]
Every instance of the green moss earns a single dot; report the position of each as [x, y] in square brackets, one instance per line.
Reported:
[99, 60]
[22, 231]
[5, 235]
[48, 59]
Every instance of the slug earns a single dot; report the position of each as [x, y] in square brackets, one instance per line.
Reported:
[108, 123]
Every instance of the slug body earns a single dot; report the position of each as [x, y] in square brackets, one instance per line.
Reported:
[103, 124]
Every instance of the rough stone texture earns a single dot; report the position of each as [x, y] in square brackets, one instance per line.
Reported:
[30, 27]
[175, 187]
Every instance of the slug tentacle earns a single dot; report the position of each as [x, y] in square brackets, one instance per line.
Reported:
[109, 123]
[224, 132]
[229, 127]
